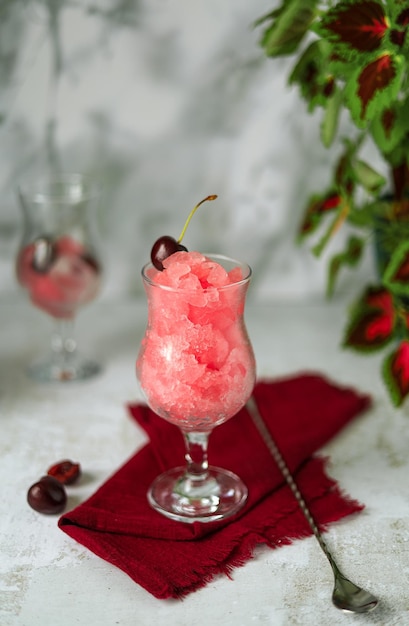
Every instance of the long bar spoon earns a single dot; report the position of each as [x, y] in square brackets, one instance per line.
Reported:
[346, 595]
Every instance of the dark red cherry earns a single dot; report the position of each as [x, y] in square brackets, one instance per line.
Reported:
[162, 248]
[47, 496]
[166, 246]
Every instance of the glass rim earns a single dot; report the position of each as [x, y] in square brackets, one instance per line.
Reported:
[209, 255]
[56, 187]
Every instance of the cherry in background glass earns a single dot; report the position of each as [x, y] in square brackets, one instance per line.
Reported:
[196, 369]
[59, 266]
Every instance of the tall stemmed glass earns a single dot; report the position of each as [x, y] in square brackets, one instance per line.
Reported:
[196, 368]
[59, 266]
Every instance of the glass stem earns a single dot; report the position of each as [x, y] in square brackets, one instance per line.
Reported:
[196, 456]
[63, 343]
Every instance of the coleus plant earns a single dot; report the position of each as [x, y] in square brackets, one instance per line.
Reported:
[352, 58]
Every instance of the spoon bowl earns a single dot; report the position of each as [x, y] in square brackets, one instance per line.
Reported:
[346, 595]
[349, 597]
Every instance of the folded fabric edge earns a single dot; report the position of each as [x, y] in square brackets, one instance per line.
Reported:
[328, 506]
[238, 553]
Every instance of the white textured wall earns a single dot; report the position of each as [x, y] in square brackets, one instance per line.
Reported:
[173, 104]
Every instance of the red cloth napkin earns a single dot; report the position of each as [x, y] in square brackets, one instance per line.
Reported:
[171, 559]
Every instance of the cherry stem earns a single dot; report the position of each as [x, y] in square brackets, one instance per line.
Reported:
[192, 212]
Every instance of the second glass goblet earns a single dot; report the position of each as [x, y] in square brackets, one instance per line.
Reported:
[59, 266]
[196, 368]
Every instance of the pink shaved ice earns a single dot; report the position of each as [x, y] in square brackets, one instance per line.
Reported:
[196, 366]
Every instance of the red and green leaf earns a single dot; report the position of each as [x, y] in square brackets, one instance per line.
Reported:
[372, 321]
[318, 206]
[391, 125]
[349, 257]
[344, 171]
[396, 274]
[374, 87]
[311, 74]
[360, 26]
[398, 37]
[400, 175]
[399, 33]
[395, 371]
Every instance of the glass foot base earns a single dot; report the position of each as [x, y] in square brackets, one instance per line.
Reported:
[49, 371]
[180, 498]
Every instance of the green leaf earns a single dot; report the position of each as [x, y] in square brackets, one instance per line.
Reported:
[265, 18]
[369, 178]
[363, 216]
[398, 155]
[329, 125]
[349, 257]
[290, 24]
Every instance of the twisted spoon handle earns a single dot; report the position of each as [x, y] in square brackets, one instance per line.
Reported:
[277, 456]
[346, 595]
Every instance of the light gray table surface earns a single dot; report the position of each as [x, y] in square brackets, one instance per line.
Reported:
[47, 579]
